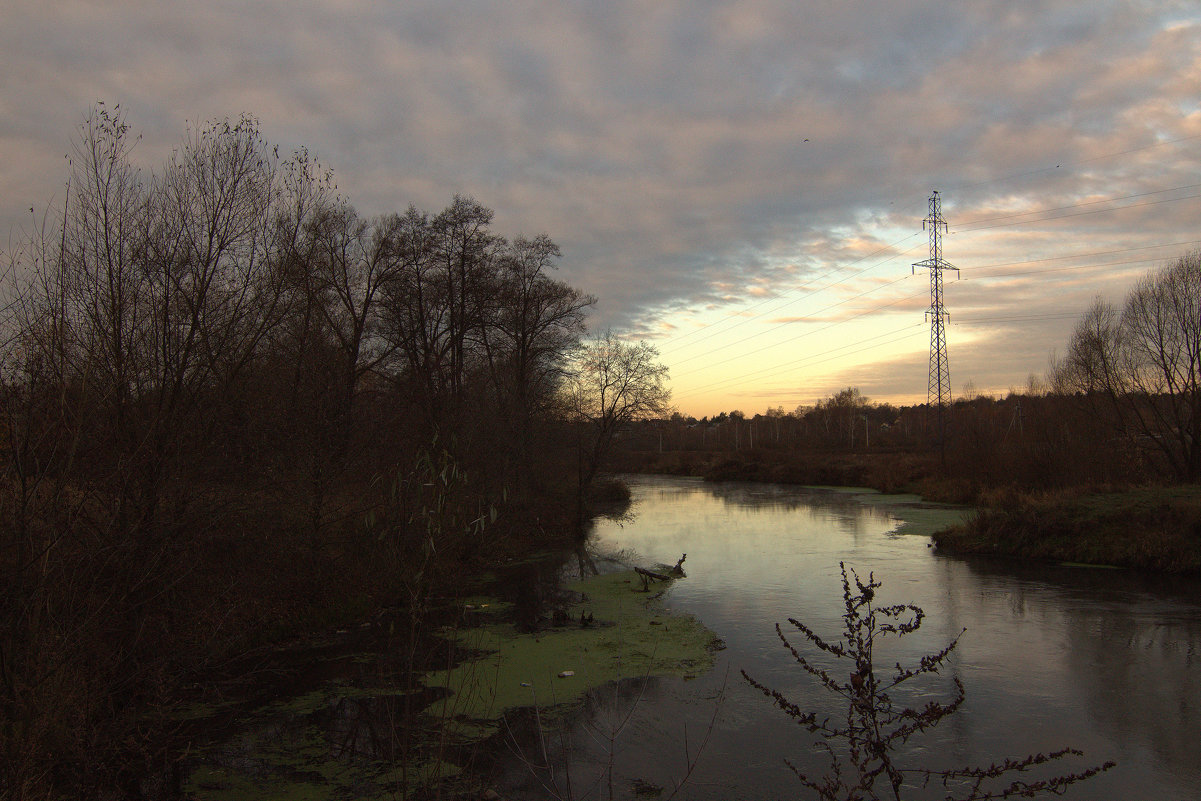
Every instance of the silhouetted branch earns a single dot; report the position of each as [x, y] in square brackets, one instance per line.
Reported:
[876, 724]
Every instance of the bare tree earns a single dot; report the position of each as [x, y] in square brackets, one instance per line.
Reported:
[612, 385]
[437, 304]
[534, 326]
[1146, 364]
[352, 261]
[464, 247]
[212, 287]
[1162, 335]
[416, 314]
[134, 315]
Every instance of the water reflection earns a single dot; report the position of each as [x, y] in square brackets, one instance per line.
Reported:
[1102, 660]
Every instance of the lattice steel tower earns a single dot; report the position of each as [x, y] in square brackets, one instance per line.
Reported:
[938, 394]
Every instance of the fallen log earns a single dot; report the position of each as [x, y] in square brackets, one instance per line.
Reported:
[648, 576]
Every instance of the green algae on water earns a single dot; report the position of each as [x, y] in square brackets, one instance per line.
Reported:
[928, 519]
[915, 516]
[630, 634]
[291, 749]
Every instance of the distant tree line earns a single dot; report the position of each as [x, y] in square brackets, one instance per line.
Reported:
[1121, 405]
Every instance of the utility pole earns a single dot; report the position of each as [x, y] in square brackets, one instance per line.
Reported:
[938, 394]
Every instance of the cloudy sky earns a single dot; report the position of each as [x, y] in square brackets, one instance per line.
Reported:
[741, 183]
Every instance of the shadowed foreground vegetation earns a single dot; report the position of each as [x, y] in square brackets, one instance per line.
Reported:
[236, 412]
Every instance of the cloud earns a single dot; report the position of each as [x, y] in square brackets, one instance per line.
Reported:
[692, 159]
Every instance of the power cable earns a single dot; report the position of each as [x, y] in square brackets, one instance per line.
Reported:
[812, 358]
[806, 333]
[1024, 318]
[807, 293]
[1078, 214]
[972, 276]
[1087, 255]
[1077, 205]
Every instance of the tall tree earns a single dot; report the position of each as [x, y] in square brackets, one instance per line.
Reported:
[416, 315]
[464, 249]
[213, 283]
[534, 326]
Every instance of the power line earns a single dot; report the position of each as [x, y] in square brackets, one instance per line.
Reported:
[812, 358]
[673, 345]
[678, 342]
[1021, 318]
[972, 274]
[805, 361]
[805, 333]
[1001, 221]
[1078, 214]
[1077, 206]
[1086, 255]
[972, 277]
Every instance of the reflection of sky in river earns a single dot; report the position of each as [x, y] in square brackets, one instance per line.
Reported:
[1100, 660]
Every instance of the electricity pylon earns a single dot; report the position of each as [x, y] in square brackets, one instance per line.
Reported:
[938, 394]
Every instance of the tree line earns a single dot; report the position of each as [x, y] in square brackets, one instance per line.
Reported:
[231, 402]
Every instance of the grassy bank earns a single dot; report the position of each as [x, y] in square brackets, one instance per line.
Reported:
[1156, 528]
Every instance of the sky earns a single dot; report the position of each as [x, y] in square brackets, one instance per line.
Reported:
[741, 184]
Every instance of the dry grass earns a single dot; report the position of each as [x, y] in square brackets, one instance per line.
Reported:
[1154, 528]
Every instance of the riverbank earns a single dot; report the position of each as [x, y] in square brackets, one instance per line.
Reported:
[1153, 528]
[886, 471]
[1146, 528]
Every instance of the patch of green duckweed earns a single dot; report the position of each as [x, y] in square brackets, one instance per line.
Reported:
[290, 750]
[630, 635]
[423, 774]
[838, 489]
[915, 515]
[220, 783]
[881, 498]
[926, 520]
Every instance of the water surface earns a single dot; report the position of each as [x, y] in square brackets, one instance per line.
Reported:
[1101, 660]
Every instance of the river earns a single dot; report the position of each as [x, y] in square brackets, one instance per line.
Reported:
[1104, 661]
